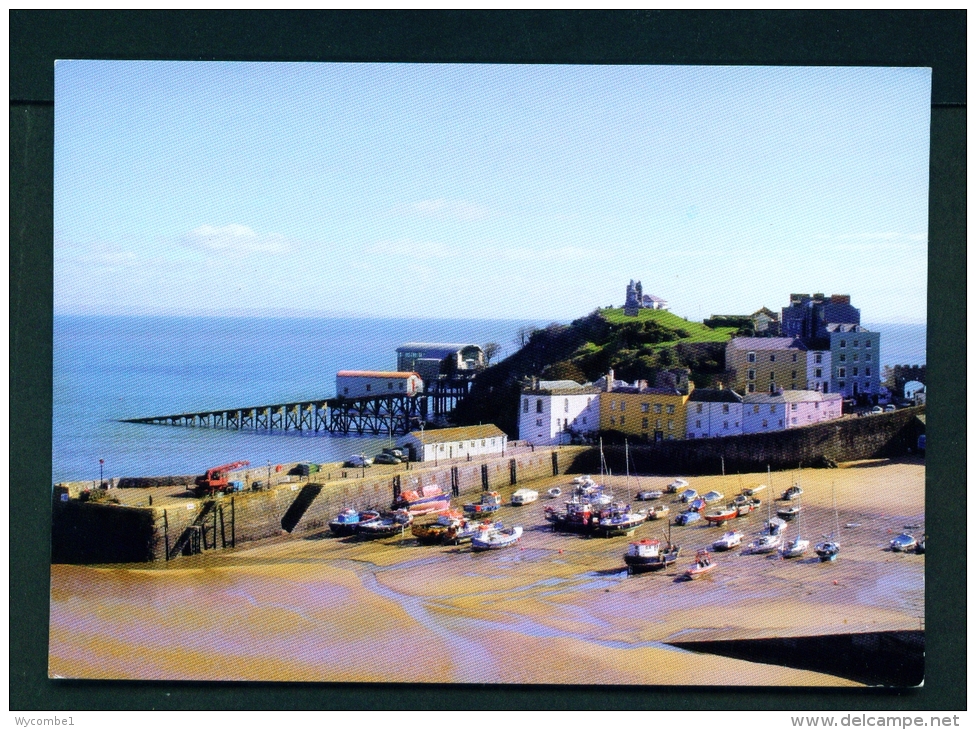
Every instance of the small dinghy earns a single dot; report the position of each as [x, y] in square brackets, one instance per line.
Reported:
[496, 538]
[703, 565]
[903, 543]
[555, 493]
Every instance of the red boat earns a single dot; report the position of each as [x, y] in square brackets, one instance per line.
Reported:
[423, 500]
[703, 565]
[721, 515]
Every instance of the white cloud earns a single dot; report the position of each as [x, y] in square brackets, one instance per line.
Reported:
[235, 238]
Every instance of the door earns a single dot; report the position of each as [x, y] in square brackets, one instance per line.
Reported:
[659, 435]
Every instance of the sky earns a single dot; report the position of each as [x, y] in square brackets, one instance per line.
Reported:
[486, 191]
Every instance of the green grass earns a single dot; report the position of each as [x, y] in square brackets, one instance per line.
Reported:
[697, 332]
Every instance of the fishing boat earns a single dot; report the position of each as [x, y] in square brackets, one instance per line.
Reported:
[433, 532]
[829, 549]
[617, 520]
[648, 555]
[702, 566]
[466, 531]
[349, 520]
[657, 511]
[524, 496]
[423, 500]
[722, 514]
[391, 523]
[576, 516]
[489, 502]
[731, 539]
[496, 538]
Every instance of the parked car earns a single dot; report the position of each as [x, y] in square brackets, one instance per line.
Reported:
[358, 461]
[890, 407]
[397, 452]
[878, 409]
[385, 459]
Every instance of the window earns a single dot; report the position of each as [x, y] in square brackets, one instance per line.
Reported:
[645, 407]
[772, 409]
[752, 388]
[794, 420]
[657, 423]
[816, 405]
[772, 375]
[867, 372]
[613, 421]
[441, 446]
[843, 358]
[584, 419]
[840, 384]
[856, 357]
[725, 424]
[389, 385]
[818, 357]
[345, 391]
[843, 343]
[755, 409]
[670, 425]
[623, 406]
[792, 406]
[402, 385]
[772, 358]
[698, 408]
[538, 405]
[691, 435]
[868, 357]
[613, 405]
[867, 343]
[482, 442]
[368, 387]
[818, 373]
[622, 420]
[855, 372]
[794, 357]
[657, 407]
[855, 343]
[670, 409]
[781, 423]
[698, 424]
[725, 408]
[538, 422]
[525, 406]
[644, 423]
[794, 375]
[751, 357]
[566, 405]
[841, 372]
[765, 423]
[752, 375]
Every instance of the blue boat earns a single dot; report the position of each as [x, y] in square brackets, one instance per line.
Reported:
[349, 520]
[490, 502]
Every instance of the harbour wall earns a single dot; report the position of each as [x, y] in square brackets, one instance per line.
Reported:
[848, 439]
[99, 532]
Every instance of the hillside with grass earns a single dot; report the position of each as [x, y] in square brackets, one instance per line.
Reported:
[636, 347]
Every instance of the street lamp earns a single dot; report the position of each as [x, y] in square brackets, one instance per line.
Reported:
[101, 472]
[268, 485]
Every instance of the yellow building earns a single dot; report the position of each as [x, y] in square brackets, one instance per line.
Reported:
[766, 364]
[654, 414]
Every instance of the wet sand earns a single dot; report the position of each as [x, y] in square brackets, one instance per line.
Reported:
[557, 608]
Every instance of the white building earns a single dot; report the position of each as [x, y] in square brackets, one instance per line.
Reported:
[358, 383]
[818, 370]
[713, 412]
[552, 411]
[453, 443]
[763, 412]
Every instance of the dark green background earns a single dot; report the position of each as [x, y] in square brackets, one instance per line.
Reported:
[936, 39]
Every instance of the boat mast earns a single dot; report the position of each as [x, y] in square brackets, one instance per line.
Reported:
[627, 469]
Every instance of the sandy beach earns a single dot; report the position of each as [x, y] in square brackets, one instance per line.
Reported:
[556, 608]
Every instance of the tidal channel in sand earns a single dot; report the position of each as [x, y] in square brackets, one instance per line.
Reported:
[557, 608]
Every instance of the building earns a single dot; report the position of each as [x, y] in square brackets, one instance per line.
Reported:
[856, 361]
[636, 299]
[359, 383]
[766, 322]
[763, 412]
[656, 413]
[766, 364]
[437, 360]
[713, 412]
[556, 411]
[818, 370]
[454, 443]
[808, 316]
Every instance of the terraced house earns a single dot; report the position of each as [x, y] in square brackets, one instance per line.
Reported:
[649, 413]
[766, 364]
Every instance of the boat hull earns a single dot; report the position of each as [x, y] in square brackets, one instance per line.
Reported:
[637, 564]
[724, 517]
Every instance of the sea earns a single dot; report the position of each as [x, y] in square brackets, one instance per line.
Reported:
[109, 368]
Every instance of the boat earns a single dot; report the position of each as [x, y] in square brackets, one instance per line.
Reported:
[555, 493]
[686, 518]
[828, 550]
[391, 523]
[904, 543]
[702, 566]
[576, 516]
[731, 539]
[617, 520]
[496, 538]
[584, 481]
[722, 514]
[788, 513]
[697, 504]
[647, 555]
[466, 531]
[647, 495]
[677, 484]
[433, 532]
[753, 491]
[772, 538]
[793, 492]
[489, 502]
[748, 507]
[775, 526]
[524, 496]
[920, 547]
[349, 520]
[713, 496]
[657, 511]
[796, 547]
[687, 495]
[423, 500]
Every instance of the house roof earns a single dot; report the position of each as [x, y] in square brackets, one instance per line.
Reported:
[460, 433]
[374, 374]
[438, 349]
[714, 395]
[560, 387]
[766, 343]
[791, 396]
[652, 298]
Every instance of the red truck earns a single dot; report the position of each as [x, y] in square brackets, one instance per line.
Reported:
[215, 479]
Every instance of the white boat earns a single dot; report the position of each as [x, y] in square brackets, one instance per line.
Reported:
[657, 511]
[524, 496]
[649, 494]
[676, 485]
[713, 496]
[702, 566]
[555, 492]
[496, 539]
[775, 526]
[731, 539]
[796, 547]
[829, 549]
[765, 544]
[754, 490]
[584, 481]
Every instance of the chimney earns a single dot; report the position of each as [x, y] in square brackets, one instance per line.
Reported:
[718, 385]
[610, 380]
[535, 383]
